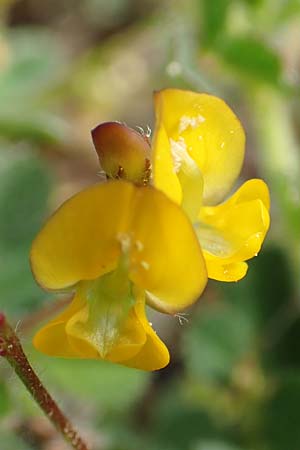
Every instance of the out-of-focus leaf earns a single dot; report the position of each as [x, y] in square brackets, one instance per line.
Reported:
[217, 339]
[287, 10]
[253, 3]
[215, 445]
[177, 424]
[107, 386]
[33, 126]
[11, 442]
[123, 437]
[105, 15]
[266, 296]
[4, 399]
[24, 188]
[266, 289]
[252, 58]
[281, 415]
[35, 64]
[182, 428]
[284, 346]
[213, 17]
[19, 293]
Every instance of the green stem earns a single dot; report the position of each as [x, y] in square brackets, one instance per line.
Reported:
[11, 349]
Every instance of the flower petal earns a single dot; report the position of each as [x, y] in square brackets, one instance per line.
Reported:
[83, 335]
[177, 175]
[154, 354]
[227, 271]
[79, 241]
[191, 182]
[208, 130]
[233, 232]
[164, 174]
[86, 236]
[169, 263]
[52, 338]
[138, 346]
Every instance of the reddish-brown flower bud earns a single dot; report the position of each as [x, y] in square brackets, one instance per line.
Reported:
[123, 152]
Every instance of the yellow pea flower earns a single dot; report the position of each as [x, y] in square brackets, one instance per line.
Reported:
[198, 151]
[113, 245]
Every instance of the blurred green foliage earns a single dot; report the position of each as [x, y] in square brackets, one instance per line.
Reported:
[34, 67]
[4, 399]
[113, 389]
[10, 442]
[252, 58]
[24, 189]
[234, 380]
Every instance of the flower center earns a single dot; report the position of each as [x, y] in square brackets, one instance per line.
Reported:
[190, 178]
[109, 300]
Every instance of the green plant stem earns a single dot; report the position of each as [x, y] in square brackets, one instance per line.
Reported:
[11, 349]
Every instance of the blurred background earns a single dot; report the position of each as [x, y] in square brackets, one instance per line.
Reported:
[67, 65]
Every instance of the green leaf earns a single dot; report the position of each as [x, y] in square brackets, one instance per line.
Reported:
[284, 346]
[37, 127]
[215, 445]
[10, 441]
[19, 293]
[251, 58]
[4, 399]
[182, 428]
[177, 424]
[213, 17]
[107, 386]
[289, 10]
[35, 64]
[266, 295]
[34, 68]
[256, 295]
[217, 339]
[280, 414]
[24, 188]
[124, 437]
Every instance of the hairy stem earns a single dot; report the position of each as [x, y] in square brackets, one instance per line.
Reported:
[11, 349]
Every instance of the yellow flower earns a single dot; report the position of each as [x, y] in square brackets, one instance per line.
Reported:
[111, 245]
[198, 151]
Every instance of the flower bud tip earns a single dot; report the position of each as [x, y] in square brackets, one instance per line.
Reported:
[123, 152]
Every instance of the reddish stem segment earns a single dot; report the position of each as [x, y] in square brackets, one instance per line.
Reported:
[11, 349]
